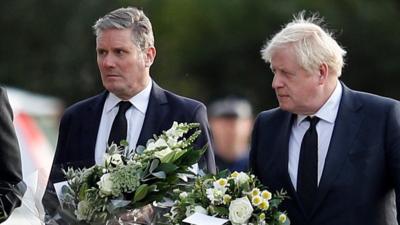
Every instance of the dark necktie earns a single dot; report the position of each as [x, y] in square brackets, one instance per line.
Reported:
[307, 174]
[120, 125]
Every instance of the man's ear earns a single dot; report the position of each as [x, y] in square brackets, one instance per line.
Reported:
[323, 73]
[150, 54]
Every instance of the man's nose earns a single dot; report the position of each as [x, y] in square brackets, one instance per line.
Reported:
[276, 81]
[108, 61]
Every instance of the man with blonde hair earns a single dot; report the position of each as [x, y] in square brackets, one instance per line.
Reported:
[334, 150]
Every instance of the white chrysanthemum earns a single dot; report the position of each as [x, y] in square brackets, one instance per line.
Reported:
[282, 218]
[264, 205]
[256, 200]
[266, 195]
[255, 192]
[215, 195]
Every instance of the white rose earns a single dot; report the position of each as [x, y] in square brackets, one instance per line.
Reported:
[105, 184]
[240, 211]
[82, 211]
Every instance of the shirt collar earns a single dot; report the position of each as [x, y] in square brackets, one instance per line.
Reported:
[140, 101]
[329, 110]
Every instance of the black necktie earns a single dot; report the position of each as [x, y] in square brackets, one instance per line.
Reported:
[307, 174]
[120, 124]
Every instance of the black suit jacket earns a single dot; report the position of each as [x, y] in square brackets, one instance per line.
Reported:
[11, 184]
[80, 122]
[362, 167]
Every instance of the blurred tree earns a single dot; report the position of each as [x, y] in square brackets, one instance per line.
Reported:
[205, 48]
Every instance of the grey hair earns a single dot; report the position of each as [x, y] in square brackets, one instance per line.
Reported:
[312, 44]
[128, 18]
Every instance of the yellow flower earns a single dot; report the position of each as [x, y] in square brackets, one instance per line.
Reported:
[222, 182]
[282, 218]
[227, 199]
[255, 192]
[266, 195]
[234, 174]
[264, 205]
[256, 200]
[261, 217]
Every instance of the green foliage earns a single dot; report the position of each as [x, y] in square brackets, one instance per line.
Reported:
[205, 48]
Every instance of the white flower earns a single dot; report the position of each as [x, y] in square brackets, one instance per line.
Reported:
[241, 178]
[114, 159]
[266, 195]
[282, 218]
[240, 211]
[83, 210]
[105, 184]
[164, 155]
[174, 132]
[160, 143]
[256, 200]
[183, 195]
[220, 183]
[196, 209]
[200, 209]
[215, 195]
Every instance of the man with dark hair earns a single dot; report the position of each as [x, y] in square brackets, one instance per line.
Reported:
[133, 106]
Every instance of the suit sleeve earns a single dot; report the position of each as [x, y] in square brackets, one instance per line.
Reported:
[10, 160]
[393, 150]
[50, 199]
[253, 148]
[208, 160]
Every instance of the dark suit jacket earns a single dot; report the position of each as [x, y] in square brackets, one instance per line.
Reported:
[11, 185]
[362, 167]
[80, 123]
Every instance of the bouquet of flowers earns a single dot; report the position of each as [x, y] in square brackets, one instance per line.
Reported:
[131, 179]
[238, 197]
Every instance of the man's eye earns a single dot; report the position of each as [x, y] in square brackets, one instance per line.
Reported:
[101, 52]
[120, 52]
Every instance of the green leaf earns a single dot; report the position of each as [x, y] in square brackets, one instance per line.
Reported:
[167, 167]
[154, 164]
[159, 174]
[141, 192]
[192, 156]
[140, 149]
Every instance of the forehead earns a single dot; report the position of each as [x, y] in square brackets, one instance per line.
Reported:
[114, 37]
[283, 56]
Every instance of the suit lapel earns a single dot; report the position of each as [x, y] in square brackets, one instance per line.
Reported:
[284, 137]
[91, 125]
[155, 114]
[341, 142]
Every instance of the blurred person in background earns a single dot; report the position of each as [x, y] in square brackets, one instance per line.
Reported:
[133, 106]
[231, 122]
[12, 188]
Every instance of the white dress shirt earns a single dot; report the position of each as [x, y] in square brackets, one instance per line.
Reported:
[327, 114]
[135, 116]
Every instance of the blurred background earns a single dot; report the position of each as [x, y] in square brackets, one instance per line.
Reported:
[205, 49]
